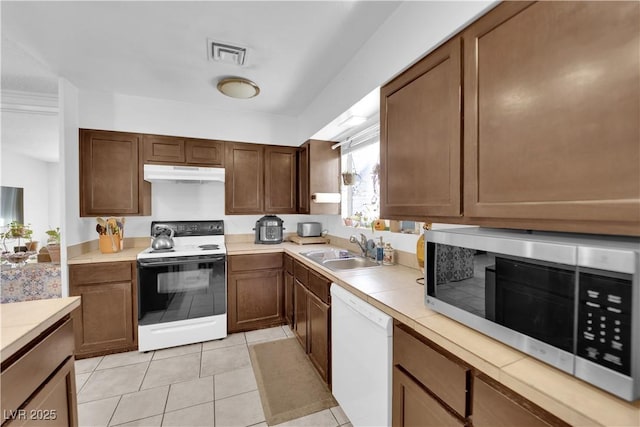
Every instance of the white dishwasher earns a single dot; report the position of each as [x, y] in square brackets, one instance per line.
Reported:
[361, 359]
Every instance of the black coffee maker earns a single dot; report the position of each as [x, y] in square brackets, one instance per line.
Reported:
[269, 230]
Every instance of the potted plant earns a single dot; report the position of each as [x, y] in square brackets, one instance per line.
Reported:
[18, 231]
[53, 244]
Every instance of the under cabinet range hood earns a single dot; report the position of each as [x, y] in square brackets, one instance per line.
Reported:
[182, 174]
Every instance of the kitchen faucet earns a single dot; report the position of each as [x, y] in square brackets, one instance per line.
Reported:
[362, 243]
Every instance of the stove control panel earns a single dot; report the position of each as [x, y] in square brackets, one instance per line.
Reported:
[189, 228]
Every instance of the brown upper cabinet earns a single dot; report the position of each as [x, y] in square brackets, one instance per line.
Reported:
[111, 178]
[318, 172]
[260, 179]
[244, 182]
[552, 110]
[280, 179]
[172, 150]
[420, 141]
[551, 122]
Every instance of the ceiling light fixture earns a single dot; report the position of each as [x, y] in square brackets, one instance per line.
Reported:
[238, 87]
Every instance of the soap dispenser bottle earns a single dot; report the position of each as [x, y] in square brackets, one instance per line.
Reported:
[380, 251]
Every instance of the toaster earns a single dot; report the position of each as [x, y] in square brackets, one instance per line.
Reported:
[309, 229]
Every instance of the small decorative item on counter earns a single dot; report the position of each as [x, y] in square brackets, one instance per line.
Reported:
[379, 225]
[389, 257]
[380, 251]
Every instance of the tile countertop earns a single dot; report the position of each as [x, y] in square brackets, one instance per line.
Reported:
[128, 254]
[24, 321]
[393, 289]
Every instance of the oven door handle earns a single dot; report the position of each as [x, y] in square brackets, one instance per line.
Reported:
[154, 263]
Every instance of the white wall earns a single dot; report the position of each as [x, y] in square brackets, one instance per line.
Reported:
[75, 229]
[35, 177]
[412, 30]
[172, 201]
[54, 181]
[109, 111]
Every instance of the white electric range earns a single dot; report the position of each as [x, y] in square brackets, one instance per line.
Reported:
[182, 292]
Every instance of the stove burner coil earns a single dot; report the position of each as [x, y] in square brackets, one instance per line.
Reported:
[209, 247]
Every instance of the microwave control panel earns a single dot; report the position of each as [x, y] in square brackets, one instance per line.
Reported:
[604, 321]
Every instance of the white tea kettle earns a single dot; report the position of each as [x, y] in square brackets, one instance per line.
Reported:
[161, 241]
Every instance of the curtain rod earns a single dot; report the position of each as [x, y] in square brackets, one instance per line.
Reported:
[370, 130]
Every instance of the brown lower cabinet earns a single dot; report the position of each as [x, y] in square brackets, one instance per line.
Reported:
[414, 406]
[432, 387]
[312, 317]
[493, 407]
[38, 383]
[318, 331]
[288, 289]
[106, 321]
[300, 313]
[255, 292]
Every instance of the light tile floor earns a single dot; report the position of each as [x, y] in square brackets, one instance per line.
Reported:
[204, 384]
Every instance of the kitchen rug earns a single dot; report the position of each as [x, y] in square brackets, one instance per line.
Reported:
[289, 385]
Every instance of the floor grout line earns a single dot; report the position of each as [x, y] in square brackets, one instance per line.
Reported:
[114, 411]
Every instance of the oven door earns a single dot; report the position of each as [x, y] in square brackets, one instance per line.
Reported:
[181, 288]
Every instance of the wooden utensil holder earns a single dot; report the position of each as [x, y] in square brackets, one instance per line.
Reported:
[106, 244]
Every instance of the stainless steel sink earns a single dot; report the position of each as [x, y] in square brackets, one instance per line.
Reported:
[339, 260]
[349, 263]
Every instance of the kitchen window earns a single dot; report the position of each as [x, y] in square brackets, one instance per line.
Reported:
[360, 179]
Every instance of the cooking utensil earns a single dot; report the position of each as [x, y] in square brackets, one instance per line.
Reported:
[113, 242]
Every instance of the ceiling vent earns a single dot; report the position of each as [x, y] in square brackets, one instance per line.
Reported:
[226, 53]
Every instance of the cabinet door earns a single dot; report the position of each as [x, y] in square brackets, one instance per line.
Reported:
[318, 316]
[324, 175]
[104, 322]
[244, 183]
[491, 408]
[320, 286]
[280, 179]
[288, 298]
[255, 300]
[412, 406]
[420, 144]
[55, 402]
[436, 371]
[551, 133]
[304, 198]
[202, 152]
[164, 149]
[300, 313]
[111, 182]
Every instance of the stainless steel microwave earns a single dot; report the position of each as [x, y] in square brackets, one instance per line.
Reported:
[572, 301]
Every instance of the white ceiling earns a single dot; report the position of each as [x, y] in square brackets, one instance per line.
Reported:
[159, 49]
